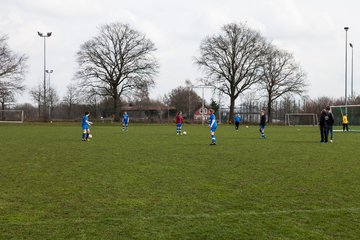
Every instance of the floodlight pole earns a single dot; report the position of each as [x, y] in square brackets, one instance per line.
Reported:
[203, 101]
[50, 97]
[44, 36]
[189, 86]
[352, 70]
[346, 30]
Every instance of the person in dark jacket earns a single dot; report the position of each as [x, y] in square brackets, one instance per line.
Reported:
[262, 124]
[330, 123]
[323, 123]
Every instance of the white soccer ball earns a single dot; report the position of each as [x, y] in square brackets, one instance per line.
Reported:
[90, 136]
[247, 126]
[184, 133]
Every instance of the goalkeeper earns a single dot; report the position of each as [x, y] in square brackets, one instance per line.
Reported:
[345, 123]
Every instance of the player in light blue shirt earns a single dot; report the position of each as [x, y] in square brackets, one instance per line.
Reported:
[237, 120]
[212, 126]
[86, 124]
[125, 121]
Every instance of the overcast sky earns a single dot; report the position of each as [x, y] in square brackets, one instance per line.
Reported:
[313, 30]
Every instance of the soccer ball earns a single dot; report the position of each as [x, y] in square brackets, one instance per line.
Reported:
[90, 136]
[247, 126]
[184, 133]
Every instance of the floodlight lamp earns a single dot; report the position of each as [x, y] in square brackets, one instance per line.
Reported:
[346, 28]
[40, 34]
[350, 44]
[49, 34]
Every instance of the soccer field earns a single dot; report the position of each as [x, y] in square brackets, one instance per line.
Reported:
[149, 183]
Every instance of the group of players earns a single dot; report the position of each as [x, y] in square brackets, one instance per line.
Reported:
[326, 123]
[86, 124]
[212, 125]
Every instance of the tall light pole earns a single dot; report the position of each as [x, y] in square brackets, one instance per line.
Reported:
[50, 97]
[346, 30]
[189, 86]
[203, 102]
[352, 70]
[44, 36]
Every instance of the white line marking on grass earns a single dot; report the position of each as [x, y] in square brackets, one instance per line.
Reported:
[276, 212]
[192, 216]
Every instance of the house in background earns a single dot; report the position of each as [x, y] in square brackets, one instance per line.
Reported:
[200, 113]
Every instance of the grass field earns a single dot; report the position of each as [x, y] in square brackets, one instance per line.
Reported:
[149, 183]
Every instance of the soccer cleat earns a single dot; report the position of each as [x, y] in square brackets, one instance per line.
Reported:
[212, 143]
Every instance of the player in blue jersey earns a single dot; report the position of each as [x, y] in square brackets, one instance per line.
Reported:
[262, 124]
[125, 121]
[212, 126]
[86, 124]
[237, 120]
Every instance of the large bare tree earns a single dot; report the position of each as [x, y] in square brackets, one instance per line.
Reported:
[117, 61]
[281, 76]
[232, 59]
[184, 99]
[12, 71]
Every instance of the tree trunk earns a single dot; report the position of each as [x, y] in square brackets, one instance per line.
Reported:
[116, 107]
[2, 113]
[69, 111]
[39, 109]
[232, 106]
[269, 111]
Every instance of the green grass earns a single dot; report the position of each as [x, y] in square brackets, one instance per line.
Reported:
[149, 183]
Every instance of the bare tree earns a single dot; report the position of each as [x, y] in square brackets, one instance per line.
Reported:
[184, 99]
[49, 103]
[231, 60]
[71, 98]
[281, 76]
[53, 100]
[318, 104]
[12, 71]
[36, 94]
[6, 96]
[117, 61]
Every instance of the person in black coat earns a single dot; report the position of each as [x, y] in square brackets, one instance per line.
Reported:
[262, 124]
[323, 123]
[330, 123]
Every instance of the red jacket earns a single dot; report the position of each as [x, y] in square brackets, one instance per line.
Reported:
[179, 119]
